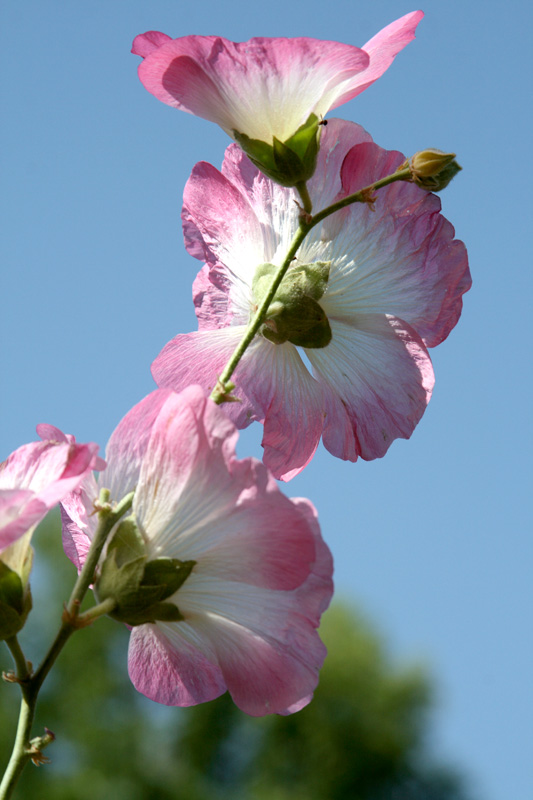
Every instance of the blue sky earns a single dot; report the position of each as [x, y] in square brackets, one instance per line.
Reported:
[432, 541]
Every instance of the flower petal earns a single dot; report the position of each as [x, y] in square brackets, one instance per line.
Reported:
[36, 477]
[292, 404]
[262, 88]
[382, 49]
[146, 43]
[398, 257]
[175, 674]
[184, 479]
[267, 648]
[380, 380]
[127, 446]
[199, 358]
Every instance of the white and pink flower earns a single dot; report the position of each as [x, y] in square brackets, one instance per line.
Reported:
[262, 577]
[265, 88]
[395, 287]
[37, 476]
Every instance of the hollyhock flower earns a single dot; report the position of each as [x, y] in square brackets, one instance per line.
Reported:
[254, 576]
[32, 481]
[267, 94]
[37, 476]
[387, 281]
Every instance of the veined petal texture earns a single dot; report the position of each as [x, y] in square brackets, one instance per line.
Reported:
[395, 287]
[262, 575]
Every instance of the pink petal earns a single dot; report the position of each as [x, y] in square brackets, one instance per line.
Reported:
[78, 520]
[146, 43]
[337, 139]
[127, 445]
[380, 380]
[263, 87]
[219, 225]
[184, 478]
[173, 675]
[262, 575]
[46, 432]
[199, 358]
[265, 644]
[36, 477]
[19, 511]
[292, 404]
[124, 454]
[272, 382]
[237, 525]
[403, 260]
[382, 49]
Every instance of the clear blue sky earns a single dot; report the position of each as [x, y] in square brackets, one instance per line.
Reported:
[432, 540]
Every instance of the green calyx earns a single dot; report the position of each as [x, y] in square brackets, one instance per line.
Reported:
[15, 602]
[294, 315]
[139, 587]
[290, 162]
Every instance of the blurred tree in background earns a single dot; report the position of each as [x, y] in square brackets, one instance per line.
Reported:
[361, 738]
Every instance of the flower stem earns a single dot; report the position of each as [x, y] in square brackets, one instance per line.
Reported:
[20, 755]
[302, 190]
[362, 196]
[21, 665]
[71, 622]
[222, 391]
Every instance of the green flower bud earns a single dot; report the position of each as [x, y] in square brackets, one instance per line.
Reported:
[295, 315]
[290, 162]
[432, 169]
[15, 594]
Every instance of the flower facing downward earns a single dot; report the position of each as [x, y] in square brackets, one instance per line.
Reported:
[371, 288]
[251, 572]
[37, 476]
[267, 94]
[32, 481]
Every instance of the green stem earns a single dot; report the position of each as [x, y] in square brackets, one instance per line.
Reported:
[21, 665]
[222, 391]
[71, 622]
[360, 196]
[100, 610]
[301, 188]
[108, 518]
[20, 755]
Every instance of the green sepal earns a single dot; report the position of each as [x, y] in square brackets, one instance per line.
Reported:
[305, 324]
[15, 602]
[168, 573]
[138, 586]
[436, 183]
[295, 315]
[127, 542]
[290, 162]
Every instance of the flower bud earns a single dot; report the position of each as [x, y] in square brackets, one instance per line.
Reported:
[15, 595]
[432, 169]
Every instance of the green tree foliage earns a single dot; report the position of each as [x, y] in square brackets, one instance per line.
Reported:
[362, 737]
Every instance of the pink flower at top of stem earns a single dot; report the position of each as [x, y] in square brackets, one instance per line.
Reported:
[265, 88]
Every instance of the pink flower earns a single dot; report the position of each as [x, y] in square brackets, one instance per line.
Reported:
[37, 476]
[265, 89]
[261, 576]
[395, 286]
